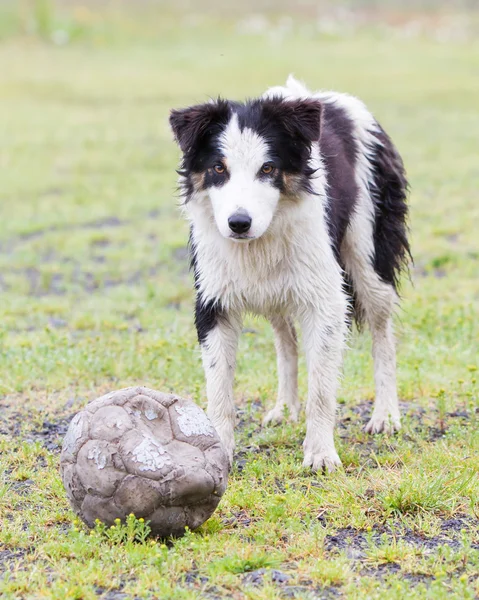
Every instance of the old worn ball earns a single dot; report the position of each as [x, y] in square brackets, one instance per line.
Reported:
[144, 452]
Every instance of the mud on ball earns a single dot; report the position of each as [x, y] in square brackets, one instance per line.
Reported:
[144, 452]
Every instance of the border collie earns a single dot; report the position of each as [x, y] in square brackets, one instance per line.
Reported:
[297, 207]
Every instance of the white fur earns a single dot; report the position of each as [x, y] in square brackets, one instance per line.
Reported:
[287, 354]
[244, 153]
[219, 361]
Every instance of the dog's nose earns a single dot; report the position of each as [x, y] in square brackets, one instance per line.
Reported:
[239, 222]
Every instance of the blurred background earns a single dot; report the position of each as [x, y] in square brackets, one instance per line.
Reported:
[94, 282]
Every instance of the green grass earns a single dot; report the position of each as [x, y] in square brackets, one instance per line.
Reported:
[96, 295]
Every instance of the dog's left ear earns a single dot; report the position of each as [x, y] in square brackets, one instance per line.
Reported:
[190, 124]
[301, 118]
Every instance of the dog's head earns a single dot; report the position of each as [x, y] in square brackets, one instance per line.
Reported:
[244, 158]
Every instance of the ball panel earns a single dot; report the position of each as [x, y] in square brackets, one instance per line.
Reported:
[150, 417]
[143, 455]
[139, 496]
[191, 425]
[104, 509]
[76, 436]
[110, 423]
[115, 398]
[99, 467]
[168, 520]
[199, 513]
[191, 486]
[73, 486]
[165, 400]
[186, 455]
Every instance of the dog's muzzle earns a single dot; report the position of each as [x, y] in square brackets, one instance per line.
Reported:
[239, 222]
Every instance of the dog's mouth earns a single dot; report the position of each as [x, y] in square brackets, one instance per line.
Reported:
[241, 237]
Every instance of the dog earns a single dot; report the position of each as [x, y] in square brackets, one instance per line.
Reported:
[297, 204]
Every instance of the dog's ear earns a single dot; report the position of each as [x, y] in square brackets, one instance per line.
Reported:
[190, 124]
[300, 118]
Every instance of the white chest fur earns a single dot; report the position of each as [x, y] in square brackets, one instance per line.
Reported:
[289, 268]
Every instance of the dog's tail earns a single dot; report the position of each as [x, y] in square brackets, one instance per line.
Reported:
[292, 89]
[389, 193]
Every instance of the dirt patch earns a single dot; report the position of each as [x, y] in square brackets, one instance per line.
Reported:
[181, 254]
[32, 426]
[52, 433]
[41, 284]
[113, 594]
[356, 542]
[194, 577]
[305, 592]
[257, 577]
[10, 559]
[9, 245]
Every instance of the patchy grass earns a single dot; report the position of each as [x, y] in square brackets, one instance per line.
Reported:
[96, 295]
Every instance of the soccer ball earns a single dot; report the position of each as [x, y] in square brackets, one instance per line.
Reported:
[144, 452]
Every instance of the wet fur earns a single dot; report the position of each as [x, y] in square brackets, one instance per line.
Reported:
[337, 237]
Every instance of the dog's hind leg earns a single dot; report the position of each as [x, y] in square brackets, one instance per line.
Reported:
[375, 301]
[375, 250]
[285, 342]
[386, 416]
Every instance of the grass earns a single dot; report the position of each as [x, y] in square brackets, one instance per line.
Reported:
[96, 295]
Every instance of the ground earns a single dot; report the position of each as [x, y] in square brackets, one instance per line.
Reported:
[96, 295]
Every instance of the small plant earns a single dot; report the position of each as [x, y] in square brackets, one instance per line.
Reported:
[441, 407]
[332, 572]
[4, 489]
[132, 530]
[245, 562]
[388, 551]
[427, 493]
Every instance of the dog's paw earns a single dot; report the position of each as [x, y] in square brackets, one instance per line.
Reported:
[383, 423]
[229, 449]
[278, 414]
[326, 460]
[227, 438]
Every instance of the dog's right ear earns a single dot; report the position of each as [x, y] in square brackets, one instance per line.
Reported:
[190, 124]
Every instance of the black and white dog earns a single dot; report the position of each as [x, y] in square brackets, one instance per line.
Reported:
[297, 206]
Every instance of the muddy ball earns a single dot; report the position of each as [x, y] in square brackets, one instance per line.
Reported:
[144, 452]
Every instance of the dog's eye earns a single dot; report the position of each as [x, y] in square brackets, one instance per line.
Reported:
[219, 168]
[267, 168]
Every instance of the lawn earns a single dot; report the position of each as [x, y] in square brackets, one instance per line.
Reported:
[95, 295]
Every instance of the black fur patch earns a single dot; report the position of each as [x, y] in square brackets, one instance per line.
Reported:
[288, 128]
[339, 153]
[392, 250]
[212, 178]
[196, 130]
[197, 124]
[206, 313]
[206, 317]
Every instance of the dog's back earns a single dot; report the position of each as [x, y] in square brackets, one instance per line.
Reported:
[367, 185]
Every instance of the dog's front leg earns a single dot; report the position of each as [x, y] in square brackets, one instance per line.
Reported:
[287, 355]
[218, 349]
[324, 335]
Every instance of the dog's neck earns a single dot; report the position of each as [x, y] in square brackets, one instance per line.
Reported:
[294, 252]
